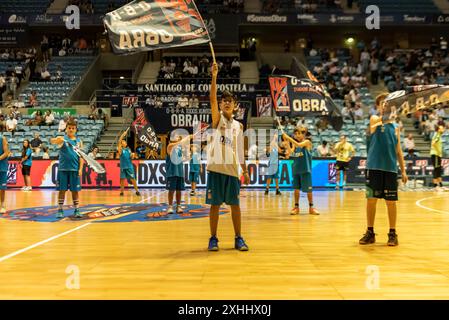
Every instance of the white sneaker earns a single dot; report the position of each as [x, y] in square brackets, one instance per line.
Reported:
[179, 210]
[170, 210]
[28, 189]
[438, 189]
[2, 210]
[23, 188]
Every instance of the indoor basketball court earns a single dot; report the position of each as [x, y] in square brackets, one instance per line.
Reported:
[290, 257]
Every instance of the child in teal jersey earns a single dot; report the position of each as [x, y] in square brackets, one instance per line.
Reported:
[4, 155]
[26, 164]
[126, 165]
[273, 165]
[175, 171]
[70, 168]
[195, 168]
[382, 170]
[302, 168]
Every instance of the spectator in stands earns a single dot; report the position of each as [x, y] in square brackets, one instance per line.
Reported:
[358, 112]
[93, 115]
[45, 49]
[2, 86]
[11, 124]
[49, 118]
[62, 124]
[440, 111]
[37, 120]
[323, 149]
[194, 102]
[365, 60]
[235, 68]
[82, 44]
[409, 143]
[16, 113]
[95, 153]
[13, 83]
[33, 100]
[252, 152]
[45, 154]
[45, 74]
[58, 74]
[183, 101]
[374, 68]
[19, 103]
[141, 151]
[321, 125]
[103, 116]
[36, 142]
[158, 102]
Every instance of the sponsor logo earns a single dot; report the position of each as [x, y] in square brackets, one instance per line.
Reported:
[43, 18]
[16, 19]
[387, 18]
[269, 19]
[126, 212]
[307, 18]
[341, 19]
[408, 18]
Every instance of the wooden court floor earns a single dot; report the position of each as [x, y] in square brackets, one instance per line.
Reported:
[290, 257]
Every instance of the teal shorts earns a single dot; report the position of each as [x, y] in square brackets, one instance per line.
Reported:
[221, 189]
[303, 182]
[68, 180]
[3, 180]
[175, 184]
[194, 177]
[127, 174]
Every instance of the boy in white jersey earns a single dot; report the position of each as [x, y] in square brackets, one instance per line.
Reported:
[225, 154]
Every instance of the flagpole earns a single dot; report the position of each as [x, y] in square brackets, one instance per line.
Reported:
[212, 51]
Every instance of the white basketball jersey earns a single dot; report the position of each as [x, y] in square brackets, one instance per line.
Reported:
[224, 149]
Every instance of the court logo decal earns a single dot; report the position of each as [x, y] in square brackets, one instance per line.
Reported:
[125, 212]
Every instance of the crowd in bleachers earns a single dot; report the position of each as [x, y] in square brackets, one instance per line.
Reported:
[220, 6]
[24, 7]
[85, 6]
[400, 68]
[193, 68]
[15, 66]
[300, 6]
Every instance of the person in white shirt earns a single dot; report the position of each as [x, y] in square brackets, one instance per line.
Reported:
[49, 118]
[194, 70]
[62, 124]
[409, 143]
[441, 112]
[183, 102]
[45, 75]
[358, 112]
[95, 154]
[11, 124]
[19, 103]
[323, 149]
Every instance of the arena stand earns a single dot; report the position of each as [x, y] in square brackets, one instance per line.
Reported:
[24, 7]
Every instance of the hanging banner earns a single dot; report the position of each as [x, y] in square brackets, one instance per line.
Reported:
[417, 97]
[264, 107]
[167, 118]
[150, 25]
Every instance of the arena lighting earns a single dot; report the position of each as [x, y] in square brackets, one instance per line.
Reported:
[122, 77]
[349, 41]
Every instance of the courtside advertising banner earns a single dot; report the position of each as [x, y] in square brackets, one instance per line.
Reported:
[144, 25]
[151, 173]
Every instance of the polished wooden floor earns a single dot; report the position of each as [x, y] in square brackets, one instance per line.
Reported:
[290, 257]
